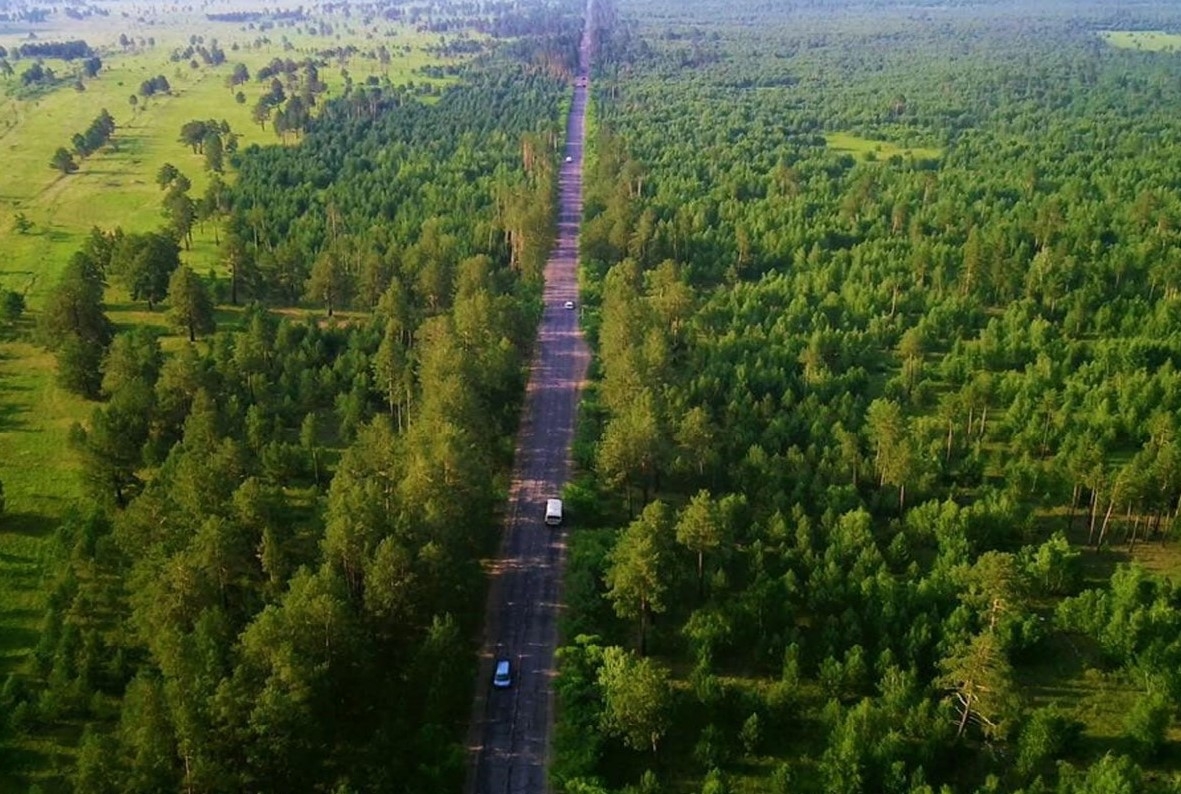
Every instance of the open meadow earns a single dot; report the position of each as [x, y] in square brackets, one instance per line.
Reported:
[866, 149]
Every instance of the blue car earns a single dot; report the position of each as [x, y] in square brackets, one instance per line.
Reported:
[503, 677]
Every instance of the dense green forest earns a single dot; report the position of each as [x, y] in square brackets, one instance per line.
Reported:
[275, 582]
[882, 452]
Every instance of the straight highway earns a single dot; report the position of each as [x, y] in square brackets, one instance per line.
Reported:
[510, 731]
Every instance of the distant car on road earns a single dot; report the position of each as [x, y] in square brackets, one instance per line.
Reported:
[569, 159]
[503, 677]
[569, 304]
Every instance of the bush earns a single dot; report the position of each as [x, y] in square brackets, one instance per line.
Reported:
[751, 734]
[1146, 725]
[582, 503]
[715, 783]
[782, 780]
[711, 750]
[12, 306]
[1048, 734]
[1054, 566]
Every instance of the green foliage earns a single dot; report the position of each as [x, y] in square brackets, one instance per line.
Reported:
[190, 307]
[712, 747]
[981, 680]
[330, 282]
[577, 741]
[417, 206]
[715, 783]
[636, 699]
[167, 175]
[74, 307]
[78, 366]
[112, 447]
[214, 152]
[195, 134]
[1047, 734]
[63, 161]
[636, 577]
[1147, 724]
[133, 356]
[96, 135]
[1133, 621]
[1111, 774]
[145, 263]
[96, 771]
[12, 306]
[1054, 566]
[701, 527]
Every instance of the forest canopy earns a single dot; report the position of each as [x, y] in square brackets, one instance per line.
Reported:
[882, 451]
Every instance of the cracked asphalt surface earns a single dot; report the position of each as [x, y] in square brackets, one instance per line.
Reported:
[509, 737]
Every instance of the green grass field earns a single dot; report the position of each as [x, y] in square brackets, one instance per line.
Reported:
[866, 149]
[1146, 40]
[40, 482]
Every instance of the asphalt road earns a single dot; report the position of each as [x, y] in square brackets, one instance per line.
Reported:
[509, 737]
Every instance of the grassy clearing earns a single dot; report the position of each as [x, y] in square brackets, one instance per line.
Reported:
[1146, 40]
[40, 482]
[867, 150]
[1070, 674]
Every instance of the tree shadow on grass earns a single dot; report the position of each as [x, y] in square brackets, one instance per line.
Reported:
[131, 306]
[16, 637]
[106, 172]
[15, 762]
[21, 575]
[1168, 758]
[11, 412]
[29, 525]
[14, 559]
[23, 329]
[229, 318]
[132, 143]
[56, 235]
[24, 577]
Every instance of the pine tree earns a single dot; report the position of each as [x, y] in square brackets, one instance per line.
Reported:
[191, 307]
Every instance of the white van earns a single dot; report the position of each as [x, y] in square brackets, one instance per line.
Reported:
[553, 512]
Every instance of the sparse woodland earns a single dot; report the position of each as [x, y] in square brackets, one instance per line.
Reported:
[273, 584]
